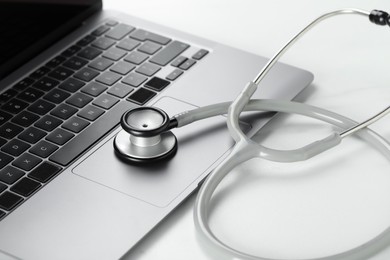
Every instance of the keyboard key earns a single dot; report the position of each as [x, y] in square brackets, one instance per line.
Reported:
[141, 96]
[90, 135]
[136, 57]
[23, 83]
[55, 62]
[103, 43]
[46, 84]
[43, 149]
[114, 54]
[71, 85]
[7, 95]
[4, 117]
[9, 130]
[15, 147]
[32, 135]
[187, 64]
[10, 174]
[91, 113]
[2, 141]
[86, 40]
[3, 187]
[4, 159]
[86, 74]
[39, 72]
[149, 47]
[25, 187]
[120, 90]
[71, 51]
[143, 35]
[79, 100]
[108, 78]
[48, 123]
[2, 213]
[59, 136]
[26, 161]
[128, 44]
[56, 96]
[200, 54]
[105, 101]
[89, 53]
[134, 79]
[75, 63]
[41, 107]
[111, 23]
[101, 64]
[120, 31]
[174, 74]
[9, 200]
[178, 61]
[94, 89]
[14, 106]
[157, 84]
[25, 118]
[63, 111]
[170, 52]
[44, 172]
[30, 95]
[148, 69]
[100, 30]
[75, 124]
[122, 67]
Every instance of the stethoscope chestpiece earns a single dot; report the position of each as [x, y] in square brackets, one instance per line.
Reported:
[145, 136]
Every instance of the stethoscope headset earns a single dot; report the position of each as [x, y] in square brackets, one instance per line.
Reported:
[146, 138]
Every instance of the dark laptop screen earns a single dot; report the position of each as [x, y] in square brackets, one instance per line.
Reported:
[29, 26]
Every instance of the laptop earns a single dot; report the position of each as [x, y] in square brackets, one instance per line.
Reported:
[68, 71]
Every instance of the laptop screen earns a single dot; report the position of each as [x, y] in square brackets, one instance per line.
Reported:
[29, 26]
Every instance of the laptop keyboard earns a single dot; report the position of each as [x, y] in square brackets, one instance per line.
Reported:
[52, 116]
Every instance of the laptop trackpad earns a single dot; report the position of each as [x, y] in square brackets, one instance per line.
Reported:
[200, 145]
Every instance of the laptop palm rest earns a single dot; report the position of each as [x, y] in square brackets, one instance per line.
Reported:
[200, 145]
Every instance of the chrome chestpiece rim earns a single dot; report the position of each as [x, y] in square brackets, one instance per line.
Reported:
[145, 136]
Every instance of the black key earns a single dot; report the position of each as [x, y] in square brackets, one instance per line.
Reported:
[25, 118]
[170, 52]
[71, 51]
[178, 61]
[143, 35]
[86, 40]
[4, 159]
[3, 187]
[25, 187]
[2, 213]
[89, 53]
[59, 136]
[94, 89]
[120, 31]
[43, 149]
[149, 47]
[55, 62]
[111, 23]
[71, 85]
[174, 74]
[79, 100]
[23, 84]
[9, 130]
[7, 95]
[101, 64]
[89, 136]
[32, 135]
[134, 79]
[56, 96]
[114, 54]
[44, 172]
[148, 69]
[39, 72]
[15, 147]
[187, 64]
[14, 106]
[100, 30]
[141, 96]
[108, 78]
[9, 200]
[10, 174]
[75, 63]
[120, 90]
[105, 101]
[30, 95]
[75, 124]
[63, 111]
[48, 123]
[128, 44]
[26, 161]
[200, 54]
[41, 107]
[4, 117]
[86, 74]
[2, 141]
[46, 84]
[103, 43]
[91, 113]
[122, 67]
[136, 57]
[157, 84]
[61, 73]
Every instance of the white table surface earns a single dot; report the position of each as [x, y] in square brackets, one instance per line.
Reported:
[331, 203]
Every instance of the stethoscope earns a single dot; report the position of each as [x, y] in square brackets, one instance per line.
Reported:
[146, 138]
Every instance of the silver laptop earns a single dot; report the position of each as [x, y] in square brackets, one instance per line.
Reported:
[68, 71]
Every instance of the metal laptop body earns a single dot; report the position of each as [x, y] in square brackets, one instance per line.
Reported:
[100, 207]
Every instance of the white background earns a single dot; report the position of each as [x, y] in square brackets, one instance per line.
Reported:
[326, 205]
